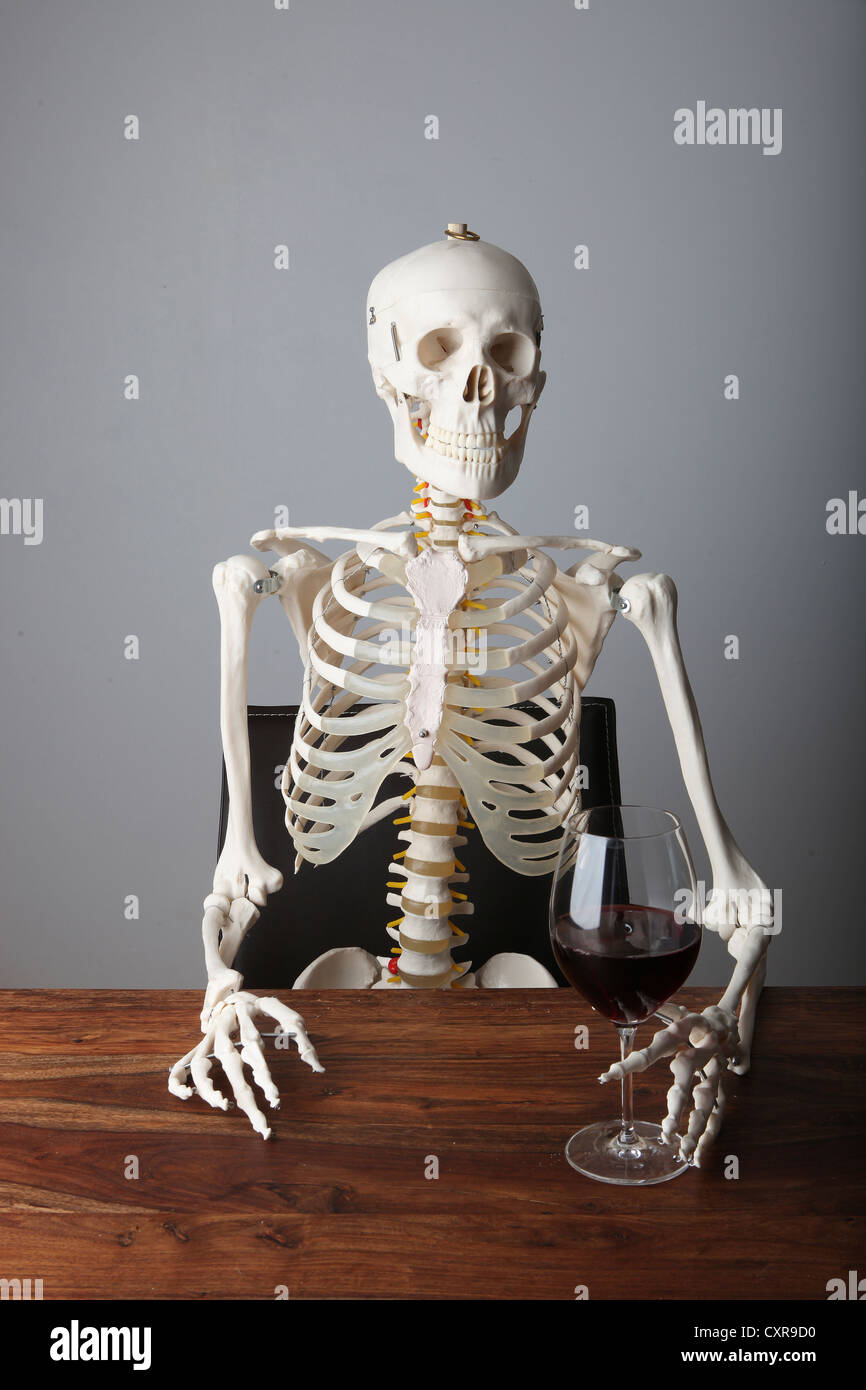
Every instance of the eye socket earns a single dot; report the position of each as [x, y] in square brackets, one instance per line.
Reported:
[514, 353]
[438, 345]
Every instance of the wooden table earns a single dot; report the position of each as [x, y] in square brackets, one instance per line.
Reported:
[337, 1204]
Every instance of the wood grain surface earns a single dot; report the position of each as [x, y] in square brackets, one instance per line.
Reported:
[337, 1204]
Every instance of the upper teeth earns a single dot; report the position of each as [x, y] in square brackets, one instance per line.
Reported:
[488, 446]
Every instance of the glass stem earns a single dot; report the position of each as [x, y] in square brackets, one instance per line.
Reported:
[626, 1134]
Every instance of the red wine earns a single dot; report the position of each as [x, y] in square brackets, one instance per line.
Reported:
[630, 963]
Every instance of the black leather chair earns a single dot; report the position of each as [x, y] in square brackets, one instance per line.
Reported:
[343, 903]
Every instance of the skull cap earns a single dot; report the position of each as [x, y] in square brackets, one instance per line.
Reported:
[448, 265]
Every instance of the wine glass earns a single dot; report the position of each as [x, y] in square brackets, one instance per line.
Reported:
[625, 930]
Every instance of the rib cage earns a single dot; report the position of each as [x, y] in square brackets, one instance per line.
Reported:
[510, 726]
[351, 754]
[517, 765]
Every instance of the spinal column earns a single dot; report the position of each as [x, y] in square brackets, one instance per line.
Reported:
[429, 898]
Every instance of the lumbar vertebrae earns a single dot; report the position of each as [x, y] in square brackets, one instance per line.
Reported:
[454, 334]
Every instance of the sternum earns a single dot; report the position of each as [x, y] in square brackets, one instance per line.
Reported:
[437, 579]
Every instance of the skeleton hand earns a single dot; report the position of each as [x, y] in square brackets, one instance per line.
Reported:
[705, 1042]
[235, 1015]
[705, 1046]
[230, 1010]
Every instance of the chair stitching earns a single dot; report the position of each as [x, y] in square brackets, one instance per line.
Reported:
[604, 710]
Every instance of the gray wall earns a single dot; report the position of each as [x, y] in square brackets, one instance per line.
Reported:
[155, 257]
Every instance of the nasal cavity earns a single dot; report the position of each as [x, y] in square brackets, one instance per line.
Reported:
[479, 385]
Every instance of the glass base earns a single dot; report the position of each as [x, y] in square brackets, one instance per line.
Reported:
[598, 1152]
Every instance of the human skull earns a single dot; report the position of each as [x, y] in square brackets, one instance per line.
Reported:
[454, 335]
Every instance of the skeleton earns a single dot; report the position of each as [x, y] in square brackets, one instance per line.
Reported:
[444, 646]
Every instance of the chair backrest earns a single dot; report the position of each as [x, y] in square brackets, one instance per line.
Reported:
[343, 903]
